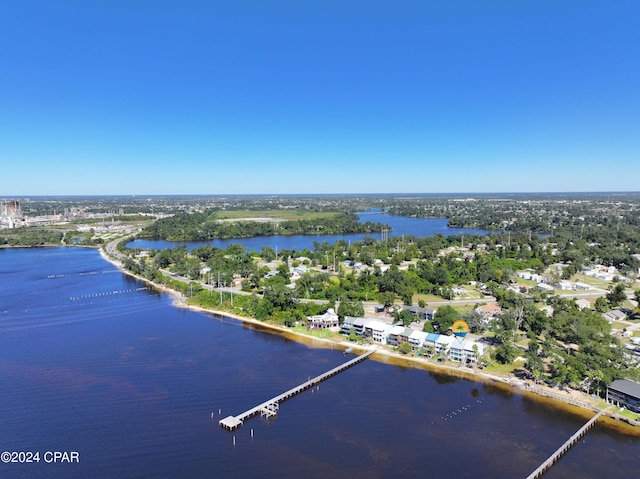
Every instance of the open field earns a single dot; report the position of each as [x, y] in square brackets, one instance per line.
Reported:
[283, 215]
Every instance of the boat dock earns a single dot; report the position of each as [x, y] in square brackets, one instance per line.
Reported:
[546, 465]
[270, 408]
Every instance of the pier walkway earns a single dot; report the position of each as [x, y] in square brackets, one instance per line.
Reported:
[270, 408]
[565, 447]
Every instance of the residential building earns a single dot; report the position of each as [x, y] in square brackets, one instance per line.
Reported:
[614, 315]
[464, 351]
[323, 321]
[417, 338]
[347, 325]
[624, 393]
[394, 333]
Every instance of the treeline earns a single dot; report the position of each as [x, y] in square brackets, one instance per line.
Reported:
[202, 226]
[30, 237]
[536, 214]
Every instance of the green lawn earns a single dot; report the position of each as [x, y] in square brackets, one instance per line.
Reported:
[283, 214]
[504, 368]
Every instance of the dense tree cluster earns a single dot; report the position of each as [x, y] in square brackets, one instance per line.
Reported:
[206, 225]
[30, 237]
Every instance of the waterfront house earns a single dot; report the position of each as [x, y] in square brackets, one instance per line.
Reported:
[443, 343]
[392, 335]
[359, 324]
[430, 340]
[464, 351]
[624, 393]
[323, 321]
[347, 325]
[377, 331]
[417, 338]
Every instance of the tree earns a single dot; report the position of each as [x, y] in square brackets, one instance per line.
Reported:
[616, 296]
[601, 305]
[387, 299]
[351, 308]
[506, 353]
[405, 316]
[445, 317]
[405, 347]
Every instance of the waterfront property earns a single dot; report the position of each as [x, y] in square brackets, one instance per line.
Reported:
[323, 321]
[467, 351]
[624, 393]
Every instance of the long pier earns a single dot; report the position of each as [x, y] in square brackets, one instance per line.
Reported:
[546, 465]
[270, 408]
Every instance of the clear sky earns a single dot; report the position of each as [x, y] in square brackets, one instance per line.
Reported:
[305, 96]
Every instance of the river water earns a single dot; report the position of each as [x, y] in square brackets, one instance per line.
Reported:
[93, 362]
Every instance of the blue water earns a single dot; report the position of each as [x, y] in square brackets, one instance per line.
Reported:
[399, 224]
[92, 362]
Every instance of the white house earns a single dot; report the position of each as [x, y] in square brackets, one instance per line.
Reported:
[394, 334]
[464, 351]
[417, 338]
[443, 343]
[323, 321]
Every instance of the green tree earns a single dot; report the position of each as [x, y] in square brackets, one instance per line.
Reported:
[351, 308]
[601, 305]
[506, 353]
[445, 317]
[405, 347]
[616, 296]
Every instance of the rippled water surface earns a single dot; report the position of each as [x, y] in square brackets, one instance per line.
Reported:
[93, 361]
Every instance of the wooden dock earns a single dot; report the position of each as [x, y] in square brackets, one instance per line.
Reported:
[270, 408]
[565, 447]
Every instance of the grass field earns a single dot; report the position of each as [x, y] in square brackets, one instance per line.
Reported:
[275, 214]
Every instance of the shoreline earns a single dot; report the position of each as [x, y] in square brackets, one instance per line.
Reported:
[569, 401]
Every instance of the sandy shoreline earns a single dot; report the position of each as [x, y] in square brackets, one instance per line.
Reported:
[570, 401]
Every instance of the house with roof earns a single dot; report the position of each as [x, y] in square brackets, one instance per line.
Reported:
[583, 303]
[394, 334]
[377, 330]
[545, 287]
[323, 321]
[614, 315]
[347, 325]
[489, 311]
[459, 291]
[430, 340]
[465, 351]
[624, 393]
[359, 325]
[530, 275]
[421, 313]
[443, 343]
[417, 338]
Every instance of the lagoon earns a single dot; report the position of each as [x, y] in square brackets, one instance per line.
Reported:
[400, 226]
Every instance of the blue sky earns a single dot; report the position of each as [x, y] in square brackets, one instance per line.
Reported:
[224, 97]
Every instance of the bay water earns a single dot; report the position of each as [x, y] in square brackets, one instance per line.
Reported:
[93, 361]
